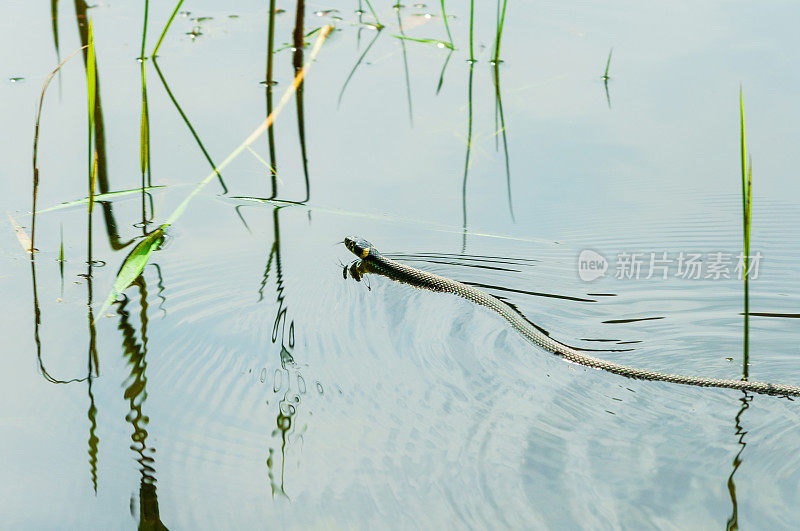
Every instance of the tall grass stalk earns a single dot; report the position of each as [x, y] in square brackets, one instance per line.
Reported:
[747, 202]
[447, 26]
[471, 30]
[501, 17]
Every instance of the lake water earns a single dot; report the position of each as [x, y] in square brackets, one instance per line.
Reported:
[241, 382]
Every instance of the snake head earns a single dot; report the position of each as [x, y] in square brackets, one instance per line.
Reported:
[358, 246]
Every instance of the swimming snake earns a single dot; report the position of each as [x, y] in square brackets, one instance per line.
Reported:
[372, 261]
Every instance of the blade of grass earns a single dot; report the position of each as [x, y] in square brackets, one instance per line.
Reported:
[355, 66]
[743, 153]
[166, 28]
[440, 44]
[98, 197]
[608, 64]
[746, 213]
[91, 79]
[92, 181]
[447, 26]
[471, 29]
[134, 263]
[501, 17]
[378, 24]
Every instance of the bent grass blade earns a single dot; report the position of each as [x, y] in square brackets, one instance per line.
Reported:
[134, 263]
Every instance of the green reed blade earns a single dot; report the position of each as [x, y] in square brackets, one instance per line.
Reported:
[743, 152]
[608, 63]
[166, 28]
[98, 197]
[471, 29]
[91, 78]
[447, 26]
[501, 17]
[92, 182]
[374, 15]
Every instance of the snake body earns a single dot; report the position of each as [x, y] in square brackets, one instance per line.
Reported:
[374, 262]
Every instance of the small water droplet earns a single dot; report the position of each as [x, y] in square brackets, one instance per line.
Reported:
[440, 45]
[263, 376]
[428, 15]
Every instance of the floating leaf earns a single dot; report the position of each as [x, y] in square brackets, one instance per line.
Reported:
[134, 264]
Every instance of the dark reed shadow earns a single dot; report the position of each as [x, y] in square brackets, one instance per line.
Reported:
[37, 323]
[189, 126]
[733, 520]
[289, 404]
[397, 8]
[135, 393]
[466, 158]
[499, 117]
[54, 24]
[144, 135]
[93, 369]
[101, 175]
[297, 64]
[355, 66]
[269, 80]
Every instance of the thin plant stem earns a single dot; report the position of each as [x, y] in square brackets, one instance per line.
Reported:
[166, 28]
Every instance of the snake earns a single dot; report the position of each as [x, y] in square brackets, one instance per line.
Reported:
[372, 261]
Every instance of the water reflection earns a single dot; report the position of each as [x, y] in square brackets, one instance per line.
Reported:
[733, 521]
[289, 404]
[297, 63]
[135, 393]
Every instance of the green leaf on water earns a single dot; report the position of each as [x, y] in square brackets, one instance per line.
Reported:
[134, 264]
